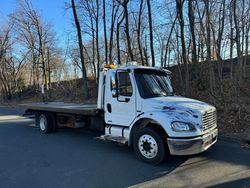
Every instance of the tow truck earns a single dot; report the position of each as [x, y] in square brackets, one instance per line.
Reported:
[136, 106]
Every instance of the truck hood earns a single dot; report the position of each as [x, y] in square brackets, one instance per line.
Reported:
[176, 106]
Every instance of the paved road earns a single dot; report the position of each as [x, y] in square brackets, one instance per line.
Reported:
[73, 158]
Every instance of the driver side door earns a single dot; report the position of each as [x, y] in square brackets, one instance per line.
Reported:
[120, 100]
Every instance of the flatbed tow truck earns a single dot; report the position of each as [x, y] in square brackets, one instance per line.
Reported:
[136, 106]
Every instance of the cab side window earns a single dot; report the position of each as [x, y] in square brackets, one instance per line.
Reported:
[125, 86]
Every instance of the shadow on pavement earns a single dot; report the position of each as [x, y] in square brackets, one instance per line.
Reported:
[229, 152]
[70, 158]
[74, 158]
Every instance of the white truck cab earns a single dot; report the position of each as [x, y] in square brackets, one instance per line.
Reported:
[141, 109]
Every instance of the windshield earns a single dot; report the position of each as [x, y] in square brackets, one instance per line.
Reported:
[153, 83]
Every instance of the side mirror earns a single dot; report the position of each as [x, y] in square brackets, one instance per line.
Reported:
[114, 85]
[114, 92]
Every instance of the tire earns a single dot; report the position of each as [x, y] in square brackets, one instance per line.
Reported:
[149, 146]
[45, 123]
[37, 116]
[53, 122]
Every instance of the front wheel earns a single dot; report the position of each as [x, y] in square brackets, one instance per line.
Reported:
[149, 145]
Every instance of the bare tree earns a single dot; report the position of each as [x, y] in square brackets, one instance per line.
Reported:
[37, 36]
[237, 40]
[192, 31]
[91, 12]
[151, 33]
[97, 36]
[115, 9]
[119, 22]
[247, 30]
[105, 31]
[79, 34]
[10, 63]
[231, 39]
[27, 35]
[208, 45]
[167, 47]
[139, 32]
[124, 4]
[179, 7]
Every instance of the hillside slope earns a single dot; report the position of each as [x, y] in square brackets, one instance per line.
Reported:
[231, 99]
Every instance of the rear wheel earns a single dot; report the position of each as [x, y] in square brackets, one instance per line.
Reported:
[53, 122]
[149, 145]
[46, 123]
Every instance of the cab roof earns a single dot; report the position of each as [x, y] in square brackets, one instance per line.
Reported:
[134, 67]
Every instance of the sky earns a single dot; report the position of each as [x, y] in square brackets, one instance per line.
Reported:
[51, 10]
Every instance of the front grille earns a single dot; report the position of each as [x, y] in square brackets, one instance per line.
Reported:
[209, 120]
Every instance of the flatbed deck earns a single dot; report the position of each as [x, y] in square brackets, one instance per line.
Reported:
[67, 108]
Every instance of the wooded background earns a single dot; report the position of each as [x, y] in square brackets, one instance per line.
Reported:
[205, 40]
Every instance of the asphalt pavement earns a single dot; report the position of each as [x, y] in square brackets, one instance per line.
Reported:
[75, 158]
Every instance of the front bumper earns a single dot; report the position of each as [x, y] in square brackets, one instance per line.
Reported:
[190, 146]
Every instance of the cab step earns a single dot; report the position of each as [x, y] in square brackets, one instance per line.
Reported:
[118, 139]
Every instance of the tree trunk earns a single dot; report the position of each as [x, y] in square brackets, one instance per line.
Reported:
[105, 31]
[168, 42]
[151, 32]
[246, 49]
[237, 39]
[192, 31]
[41, 50]
[112, 26]
[97, 38]
[231, 41]
[49, 67]
[179, 4]
[127, 32]
[145, 51]
[118, 39]
[139, 32]
[93, 46]
[79, 35]
[208, 44]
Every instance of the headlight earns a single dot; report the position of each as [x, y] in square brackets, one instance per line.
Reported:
[178, 126]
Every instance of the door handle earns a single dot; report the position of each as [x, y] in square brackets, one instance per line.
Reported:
[124, 100]
[109, 108]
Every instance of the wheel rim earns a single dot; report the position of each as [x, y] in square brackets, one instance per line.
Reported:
[148, 146]
[43, 122]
